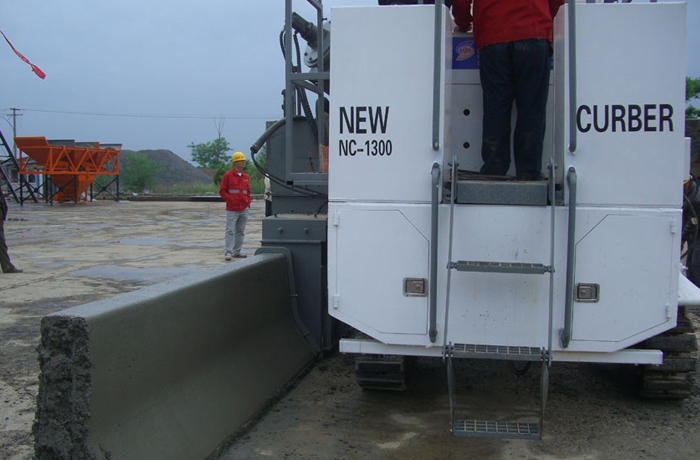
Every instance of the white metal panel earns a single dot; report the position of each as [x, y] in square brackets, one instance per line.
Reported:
[688, 293]
[628, 257]
[632, 254]
[628, 356]
[630, 65]
[494, 308]
[372, 250]
[383, 67]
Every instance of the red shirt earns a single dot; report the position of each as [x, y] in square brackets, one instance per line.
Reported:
[500, 21]
[235, 190]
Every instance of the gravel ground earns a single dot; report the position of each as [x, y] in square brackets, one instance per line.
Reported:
[73, 254]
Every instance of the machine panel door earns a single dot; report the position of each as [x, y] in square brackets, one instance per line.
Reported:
[626, 258]
[371, 269]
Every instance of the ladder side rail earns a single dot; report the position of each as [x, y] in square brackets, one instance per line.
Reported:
[294, 80]
[552, 233]
[453, 193]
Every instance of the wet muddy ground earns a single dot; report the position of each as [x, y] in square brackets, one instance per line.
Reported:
[73, 254]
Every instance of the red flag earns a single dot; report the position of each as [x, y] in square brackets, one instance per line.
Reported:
[35, 69]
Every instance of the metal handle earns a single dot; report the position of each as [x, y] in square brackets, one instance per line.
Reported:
[435, 172]
[568, 308]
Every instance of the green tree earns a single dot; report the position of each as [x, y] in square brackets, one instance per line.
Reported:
[692, 91]
[210, 154]
[221, 170]
[138, 172]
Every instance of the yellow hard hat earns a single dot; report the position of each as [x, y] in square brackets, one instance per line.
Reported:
[238, 156]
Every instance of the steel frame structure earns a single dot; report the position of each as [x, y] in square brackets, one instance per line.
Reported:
[69, 166]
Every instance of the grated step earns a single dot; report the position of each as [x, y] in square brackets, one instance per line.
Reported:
[492, 429]
[513, 353]
[500, 267]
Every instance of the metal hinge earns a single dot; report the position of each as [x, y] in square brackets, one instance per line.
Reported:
[336, 301]
[336, 218]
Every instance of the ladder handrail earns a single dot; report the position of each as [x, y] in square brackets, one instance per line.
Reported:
[435, 173]
[552, 203]
[572, 75]
[453, 194]
[571, 240]
[437, 73]
[294, 79]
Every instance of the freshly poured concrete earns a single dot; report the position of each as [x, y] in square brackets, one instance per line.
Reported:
[169, 371]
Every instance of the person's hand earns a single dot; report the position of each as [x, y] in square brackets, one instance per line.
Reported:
[463, 29]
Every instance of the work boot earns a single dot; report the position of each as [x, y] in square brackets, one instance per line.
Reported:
[12, 270]
[530, 176]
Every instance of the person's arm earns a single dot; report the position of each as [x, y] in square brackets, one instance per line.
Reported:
[223, 188]
[462, 14]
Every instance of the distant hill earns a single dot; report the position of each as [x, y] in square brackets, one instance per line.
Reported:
[175, 170]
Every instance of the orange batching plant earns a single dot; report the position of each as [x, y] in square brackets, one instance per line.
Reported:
[71, 166]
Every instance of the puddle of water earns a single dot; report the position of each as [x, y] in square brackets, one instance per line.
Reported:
[60, 264]
[146, 241]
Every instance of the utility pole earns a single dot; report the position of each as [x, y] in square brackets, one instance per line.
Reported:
[14, 128]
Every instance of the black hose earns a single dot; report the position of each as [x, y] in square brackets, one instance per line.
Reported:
[302, 96]
[691, 241]
[258, 145]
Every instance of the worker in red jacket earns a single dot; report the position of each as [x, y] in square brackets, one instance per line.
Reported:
[514, 38]
[235, 190]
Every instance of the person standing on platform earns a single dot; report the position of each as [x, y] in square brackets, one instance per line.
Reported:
[514, 38]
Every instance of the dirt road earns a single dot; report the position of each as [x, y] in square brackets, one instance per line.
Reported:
[73, 254]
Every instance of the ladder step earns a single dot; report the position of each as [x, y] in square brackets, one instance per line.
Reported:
[512, 353]
[500, 267]
[490, 429]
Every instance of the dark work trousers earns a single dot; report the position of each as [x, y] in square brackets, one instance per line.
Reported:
[514, 71]
[4, 256]
[693, 263]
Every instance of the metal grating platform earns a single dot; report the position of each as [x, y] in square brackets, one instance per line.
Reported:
[492, 429]
[500, 267]
[502, 192]
[513, 353]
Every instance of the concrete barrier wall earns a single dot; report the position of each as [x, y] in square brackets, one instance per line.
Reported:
[169, 371]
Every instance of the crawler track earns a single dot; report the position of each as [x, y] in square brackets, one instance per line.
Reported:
[675, 378]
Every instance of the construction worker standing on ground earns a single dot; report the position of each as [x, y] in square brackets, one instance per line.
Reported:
[7, 266]
[514, 39]
[235, 190]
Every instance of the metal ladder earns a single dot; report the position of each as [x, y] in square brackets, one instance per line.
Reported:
[486, 428]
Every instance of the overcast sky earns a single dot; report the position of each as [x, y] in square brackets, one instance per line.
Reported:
[153, 74]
